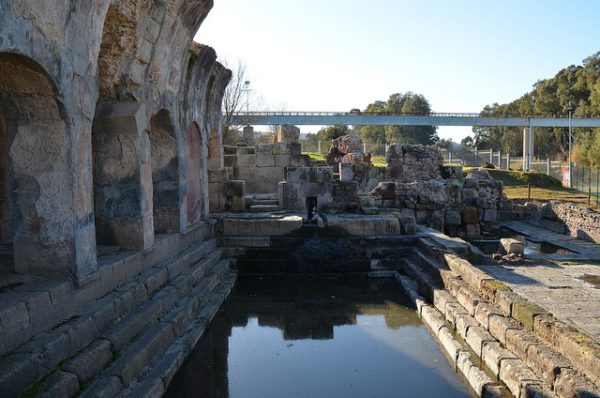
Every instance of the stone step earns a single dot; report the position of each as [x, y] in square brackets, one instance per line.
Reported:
[161, 371]
[232, 251]
[137, 358]
[33, 360]
[521, 360]
[427, 285]
[263, 208]
[269, 202]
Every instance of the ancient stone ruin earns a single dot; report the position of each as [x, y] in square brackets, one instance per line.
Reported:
[123, 224]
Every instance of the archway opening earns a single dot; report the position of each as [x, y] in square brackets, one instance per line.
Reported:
[34, 168]
[165, 176]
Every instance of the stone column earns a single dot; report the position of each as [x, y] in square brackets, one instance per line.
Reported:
[123, 176]
[248, 135]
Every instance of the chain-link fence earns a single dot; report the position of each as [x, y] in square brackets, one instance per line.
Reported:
[587, 181]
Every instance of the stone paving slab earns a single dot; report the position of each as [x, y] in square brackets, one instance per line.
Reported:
[582, 250]
[559, 289]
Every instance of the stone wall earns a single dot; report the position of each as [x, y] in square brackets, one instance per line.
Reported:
[303, 182]
[81, 83]
[459, 206]
[264, 169]
[409, 163]
[566, 218]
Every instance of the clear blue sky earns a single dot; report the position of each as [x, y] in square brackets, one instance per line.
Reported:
[335, 55]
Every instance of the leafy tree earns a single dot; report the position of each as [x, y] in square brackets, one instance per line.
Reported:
[407, 103]
[576, 85]
[332, 132]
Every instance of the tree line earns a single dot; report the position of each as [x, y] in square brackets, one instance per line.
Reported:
[576, 87]
[408, 102]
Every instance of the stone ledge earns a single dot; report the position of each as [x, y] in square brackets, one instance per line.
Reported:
[582, 351]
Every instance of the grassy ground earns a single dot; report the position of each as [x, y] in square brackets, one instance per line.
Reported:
[543, 187]
[378, 161]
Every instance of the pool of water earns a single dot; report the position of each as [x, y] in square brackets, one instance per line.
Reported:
[347, 338]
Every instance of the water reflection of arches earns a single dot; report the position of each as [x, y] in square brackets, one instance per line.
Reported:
[35, 202]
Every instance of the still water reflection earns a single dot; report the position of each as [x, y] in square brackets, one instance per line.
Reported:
[349, 338]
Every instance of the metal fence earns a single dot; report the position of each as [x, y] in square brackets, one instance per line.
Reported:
[322, 147]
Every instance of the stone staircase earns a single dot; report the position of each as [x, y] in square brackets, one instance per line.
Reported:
[495, 331]
[131, 341]
[263, 203]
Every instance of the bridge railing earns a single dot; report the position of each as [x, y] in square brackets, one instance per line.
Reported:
[432, 114]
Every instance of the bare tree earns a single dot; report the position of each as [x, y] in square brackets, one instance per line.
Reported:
[233, 100]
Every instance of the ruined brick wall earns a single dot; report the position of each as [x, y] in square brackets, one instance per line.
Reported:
[458, 206]
[410, 163]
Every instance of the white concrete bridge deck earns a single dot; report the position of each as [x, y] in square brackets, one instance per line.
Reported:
[432, 119]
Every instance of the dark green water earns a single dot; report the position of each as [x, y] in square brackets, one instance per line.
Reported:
[347, 338]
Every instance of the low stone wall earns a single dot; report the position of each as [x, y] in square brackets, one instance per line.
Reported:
[579, 222]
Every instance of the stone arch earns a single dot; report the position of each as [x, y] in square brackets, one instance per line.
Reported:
[121, 49]
[35, 198]
[195, 172]
[165, 175]
[215, 145]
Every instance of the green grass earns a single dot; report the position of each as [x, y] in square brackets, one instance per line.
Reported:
[378, 161]
[315, 156]
[543, 187]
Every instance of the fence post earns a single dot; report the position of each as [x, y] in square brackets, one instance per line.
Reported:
[590, 187]
[449, 156]
[491, 156]
[528, 191]
[597, 186]
[476, 156]
[319, 147]
[508, 161]
[548, 166]
[499, 159]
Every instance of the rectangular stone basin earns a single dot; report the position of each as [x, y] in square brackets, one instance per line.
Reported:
[315, 338]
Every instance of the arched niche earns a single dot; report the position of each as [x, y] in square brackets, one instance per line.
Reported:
[36, 203]
[165, 176]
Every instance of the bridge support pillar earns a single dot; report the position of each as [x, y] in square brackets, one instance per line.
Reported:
[528, 145]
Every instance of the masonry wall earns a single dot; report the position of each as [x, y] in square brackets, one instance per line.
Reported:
[81, 83]
[579, 222]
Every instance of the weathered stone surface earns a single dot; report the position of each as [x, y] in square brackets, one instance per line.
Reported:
[499, 325]
[236, 195]
[493, 354]
[92, 360]
[510, 246]
[286, 133]
[60, 385]
[477, 337]
[409, 163]
[516, 376]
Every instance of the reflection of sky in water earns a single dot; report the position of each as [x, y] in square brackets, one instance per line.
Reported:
[347, 338]
[368, 359]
